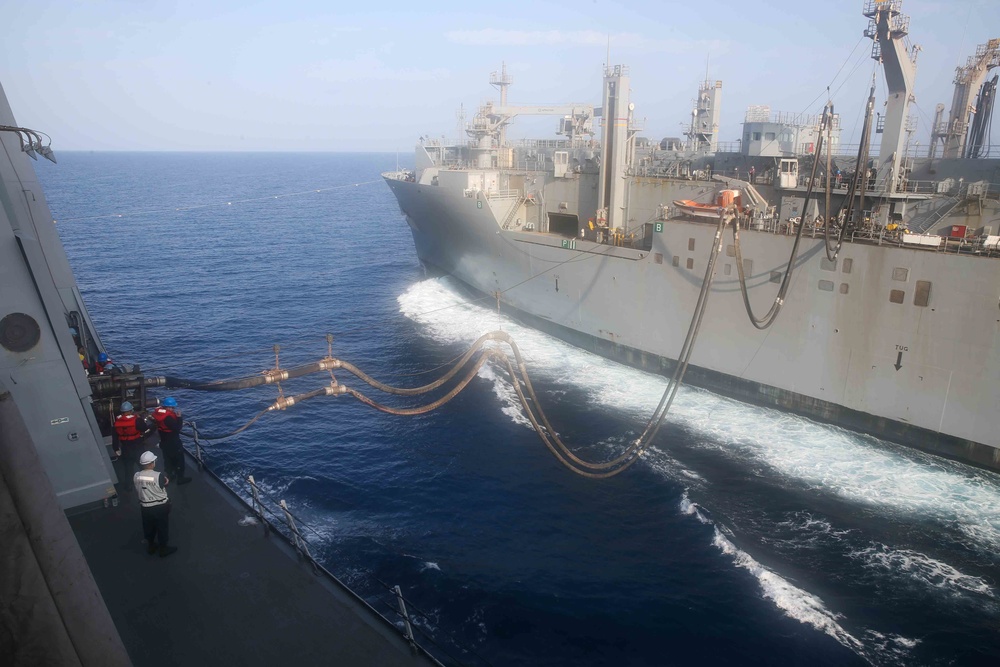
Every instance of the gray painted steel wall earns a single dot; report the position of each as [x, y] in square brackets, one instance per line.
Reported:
[833, 350]
[48, 382]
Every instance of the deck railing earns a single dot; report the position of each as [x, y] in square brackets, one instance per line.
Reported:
[275, 516]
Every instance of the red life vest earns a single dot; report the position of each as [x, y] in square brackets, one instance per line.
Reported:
[126, 428]
[160, 415]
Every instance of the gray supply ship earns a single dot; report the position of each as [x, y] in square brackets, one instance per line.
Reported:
[889, 322]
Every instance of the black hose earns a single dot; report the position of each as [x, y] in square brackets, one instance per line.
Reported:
[768, 319]
[268, 377]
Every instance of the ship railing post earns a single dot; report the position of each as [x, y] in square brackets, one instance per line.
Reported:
[258, 507]
[199, 459]
[407, 628]
[300, 543]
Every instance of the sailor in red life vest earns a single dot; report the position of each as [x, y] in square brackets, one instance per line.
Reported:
[126, 440]
[152, 490]
[168, 423]
[103, 364]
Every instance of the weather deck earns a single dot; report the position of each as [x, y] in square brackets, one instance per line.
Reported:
[229, 595]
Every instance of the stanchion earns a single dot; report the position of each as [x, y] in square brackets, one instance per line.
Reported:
[407, 628]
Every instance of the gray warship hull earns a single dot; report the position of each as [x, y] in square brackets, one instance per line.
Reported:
[606, 244]
[895, 341]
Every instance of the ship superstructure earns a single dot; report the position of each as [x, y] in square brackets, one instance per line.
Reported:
[892, 331]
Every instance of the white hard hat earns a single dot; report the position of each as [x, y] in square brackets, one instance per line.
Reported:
[147, 458]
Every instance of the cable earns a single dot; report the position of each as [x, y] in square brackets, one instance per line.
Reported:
[856, 182]
[193, 207]
[847, 78]
[540, 421]
[779, 300]
[217, 438]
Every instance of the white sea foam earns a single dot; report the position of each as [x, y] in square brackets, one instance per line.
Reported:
[892, 649]
[318, 528]
[424, 564]
[692, 509]
[504, 390]
[832, 460]
[806, 524]
[820, 456]
[922, 568]
[793, 601]
[476, 621]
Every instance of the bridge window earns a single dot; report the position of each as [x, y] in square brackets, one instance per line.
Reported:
[826, 285]
[896, 296]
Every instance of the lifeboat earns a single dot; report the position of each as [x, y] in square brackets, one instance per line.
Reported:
[698, 210]
[724, 199]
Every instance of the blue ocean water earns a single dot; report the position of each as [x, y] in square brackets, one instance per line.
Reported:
[745, 536]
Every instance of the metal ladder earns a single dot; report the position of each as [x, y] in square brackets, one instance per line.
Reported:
[935, 216]
[513, 211]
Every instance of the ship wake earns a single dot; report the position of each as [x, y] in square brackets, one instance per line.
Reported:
[922, 507]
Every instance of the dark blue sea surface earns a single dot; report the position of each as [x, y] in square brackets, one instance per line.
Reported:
[744, 536]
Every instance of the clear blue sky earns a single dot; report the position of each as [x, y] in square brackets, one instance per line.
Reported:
[373, 76]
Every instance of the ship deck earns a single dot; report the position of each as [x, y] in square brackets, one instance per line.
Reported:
[229, 594]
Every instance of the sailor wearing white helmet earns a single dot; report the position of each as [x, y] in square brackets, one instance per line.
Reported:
[152, 491]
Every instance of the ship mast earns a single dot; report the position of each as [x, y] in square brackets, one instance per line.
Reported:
[888, 28]
[616, 118]
[968, 81]
[501, 81]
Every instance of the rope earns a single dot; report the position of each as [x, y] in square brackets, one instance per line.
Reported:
[217, 204]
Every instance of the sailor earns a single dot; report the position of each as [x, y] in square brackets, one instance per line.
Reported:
[103, 364]
[753, 174]
[126, 439]
[155, 504]
[168, 424]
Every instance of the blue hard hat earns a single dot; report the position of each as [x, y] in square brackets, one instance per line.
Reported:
[170, 402]
[126, 407]
[102, 357]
